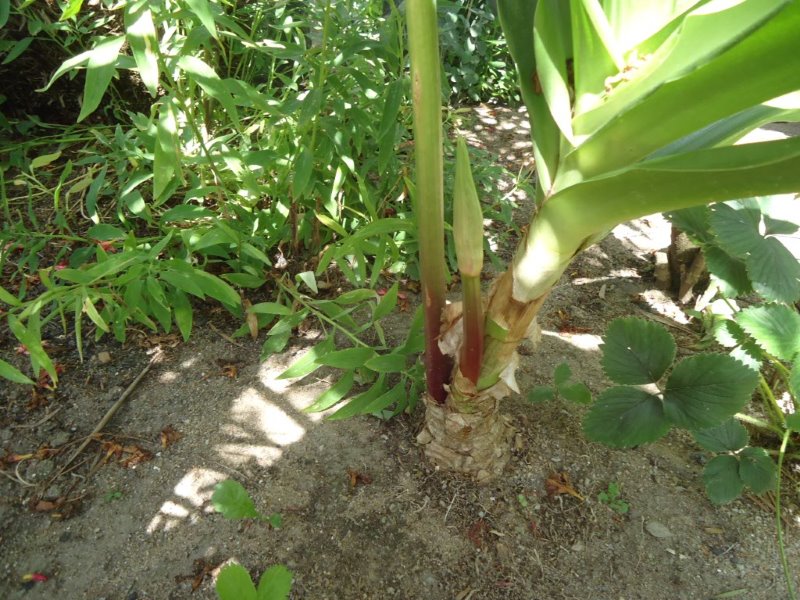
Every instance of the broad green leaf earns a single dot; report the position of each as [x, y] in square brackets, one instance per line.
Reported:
[636, 351]
[596, 54]
[551, 36]
[302, 172]
[394, 362]
[216, 288]
[757, 470]
[187, 282]
[356, 405]
[716, 55]
[104, 232]
[541, 393]
[562, 374]
[704, 390]
[275, 583]
[576, 392]
[775, 327]
[166, 158]
[234, 583]
[270, 308]
[332, 396]
[274, 343]
[208, 79]
[623, 417]
[11, 373]
[349, 358]
[8, 298]
[793, 422]
[309, 279]
[745, 350]
[355, 296]
[232, 500]
[775, 272]
[721, 477]
[730, 436]
[736, 227]
[141, 35]
[730, 274]
[202, 8]
[182, 309]
[385, 305]
[99, 71]
[309, 361]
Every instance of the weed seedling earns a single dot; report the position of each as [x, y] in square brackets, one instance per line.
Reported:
[611, 498]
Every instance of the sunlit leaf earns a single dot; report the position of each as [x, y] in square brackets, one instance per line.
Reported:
[309, 361]
[275, 583]
[636, 351]
[333, 395]
[232, 500]
[99, 71]
[775, 327]
[234, 583]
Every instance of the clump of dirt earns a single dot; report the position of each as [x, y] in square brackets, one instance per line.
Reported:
[364, 516]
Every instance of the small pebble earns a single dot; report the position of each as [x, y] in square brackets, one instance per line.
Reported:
[577, 547]
[103, 358]
[657, 529]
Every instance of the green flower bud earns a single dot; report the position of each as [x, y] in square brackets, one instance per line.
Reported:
[467, 216]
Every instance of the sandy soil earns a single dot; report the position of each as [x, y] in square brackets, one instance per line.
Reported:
[404, 530]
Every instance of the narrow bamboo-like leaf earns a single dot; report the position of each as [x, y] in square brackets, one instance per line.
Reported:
[44, 159]
[334, 395]
[275, 583]
[91, 311]
[309, 361]
[349, 358]
[233, 582]
[141, 35]
[356, 405]
[31, 337]
[757, 470]
[274, 343]
[721, 477]
[5, 9]
[623, 417]
[775, 327]
[302, 171]
[17, 49]
[71, 10]
[394, 362]
[385, 305]
[202, 8]
[636, 351]
[9, 298]
[10, 372]
[166, 158]
[355, 297]
[99, 71]
[183, 313]
[704, 390]
[309, 279]
[385, 400]
[270, 308]
[216, 288]
[208, 79]
[730, 436]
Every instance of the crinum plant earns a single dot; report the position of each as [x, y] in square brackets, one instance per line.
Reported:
[635, 108]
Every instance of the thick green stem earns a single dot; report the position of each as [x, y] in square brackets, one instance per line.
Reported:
[472, 348]
[423, 47]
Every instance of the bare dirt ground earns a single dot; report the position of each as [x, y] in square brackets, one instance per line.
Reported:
[364, 515]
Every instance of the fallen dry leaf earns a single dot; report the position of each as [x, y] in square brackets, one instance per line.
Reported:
[357, 477]
[478, 532]
[169, 435]
[558, 483]
[201, 569]
[251, 318]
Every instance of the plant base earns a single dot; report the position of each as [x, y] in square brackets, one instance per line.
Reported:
[477, 444]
